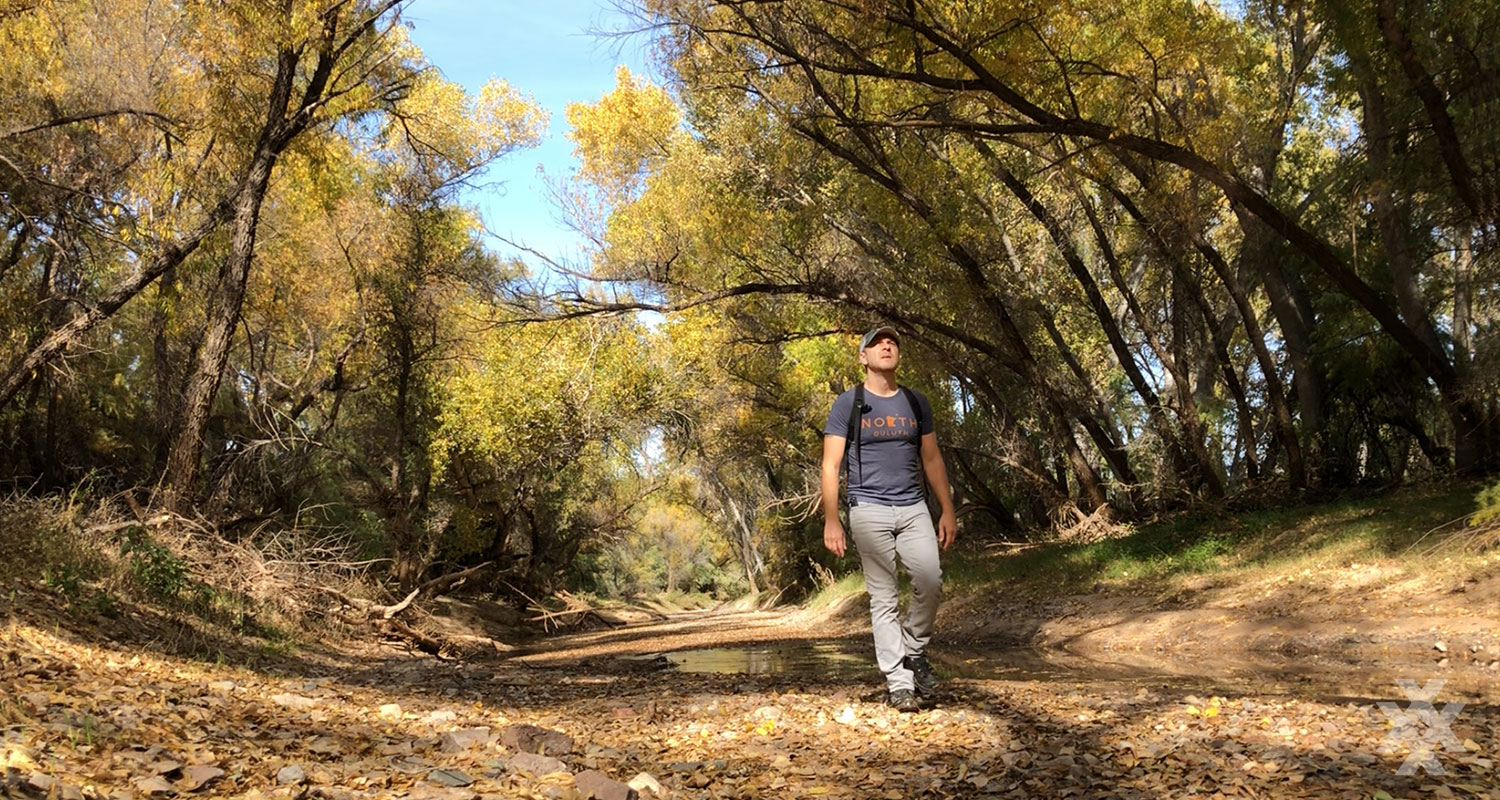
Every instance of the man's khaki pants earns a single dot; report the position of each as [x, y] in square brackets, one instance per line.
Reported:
[884, 534]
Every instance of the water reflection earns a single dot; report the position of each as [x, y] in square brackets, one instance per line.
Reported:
[1296, 676]
[846, 657]
[794, 658]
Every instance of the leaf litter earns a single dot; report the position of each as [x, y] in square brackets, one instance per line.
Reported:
[83, 719]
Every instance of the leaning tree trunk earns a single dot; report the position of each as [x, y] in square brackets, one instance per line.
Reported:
[203, 383]
[1182, 459]
[740, 523]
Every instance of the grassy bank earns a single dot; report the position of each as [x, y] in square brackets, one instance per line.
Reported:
[1420, 529]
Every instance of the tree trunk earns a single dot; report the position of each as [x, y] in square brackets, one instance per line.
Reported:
[740, 524]
[990, 501]
[1021, 453]
[1181, 461]
[1297, 320]
[1463, 303]
[203, 382]
[1392, 216]
[1275, 390]
[229, 292]
[1399, 45]
[166, 396]
[1244, 415]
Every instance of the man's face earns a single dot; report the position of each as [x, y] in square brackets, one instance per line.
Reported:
[882, 354]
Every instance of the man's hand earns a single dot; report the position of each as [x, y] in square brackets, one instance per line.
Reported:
[833, 536]
[947, 528]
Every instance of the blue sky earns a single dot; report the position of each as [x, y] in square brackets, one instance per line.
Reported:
[541, 48]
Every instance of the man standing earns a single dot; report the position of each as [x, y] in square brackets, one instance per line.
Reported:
[886, 432]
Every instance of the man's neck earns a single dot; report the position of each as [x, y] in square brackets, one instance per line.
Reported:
[881, 382]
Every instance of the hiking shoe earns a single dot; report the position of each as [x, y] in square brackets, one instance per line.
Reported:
[903, 700]
[922, 675]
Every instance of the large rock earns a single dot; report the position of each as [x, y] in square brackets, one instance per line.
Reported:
[466, 739]
[534, 739]
[595, 784]
[647, 784]
[535, 764]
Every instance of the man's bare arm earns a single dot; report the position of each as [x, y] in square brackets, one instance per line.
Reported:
[937, 478]
[833, 460]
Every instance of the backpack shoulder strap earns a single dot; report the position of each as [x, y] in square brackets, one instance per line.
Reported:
[856, 410]
[916, 409]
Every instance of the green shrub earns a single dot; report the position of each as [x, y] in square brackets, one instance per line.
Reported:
[155, 568]
[1489, 506]
[65, 578]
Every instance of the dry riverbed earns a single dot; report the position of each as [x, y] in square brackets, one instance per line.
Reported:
[84, 716]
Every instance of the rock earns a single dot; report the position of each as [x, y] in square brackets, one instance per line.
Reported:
[295, 701]
[766, 712]
[450, 777]
[535, 764]
[646, 784]
[466, 739]
[427, 792]
[1440, 647]
[534, 739]
[441, 717]
[221, 686]
[611, 753]
[16, 757]
[595, 784]
[391, 711]
[291, 774]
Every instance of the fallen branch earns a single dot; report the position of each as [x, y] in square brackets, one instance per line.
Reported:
[387, 612]
[1018, 545]
[151, 522]
[424, 642]
[385, 616]
[452, 580]
[575, 610]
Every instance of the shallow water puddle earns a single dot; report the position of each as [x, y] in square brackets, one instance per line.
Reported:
[794, 658]
[1299, 677]
[847, 657]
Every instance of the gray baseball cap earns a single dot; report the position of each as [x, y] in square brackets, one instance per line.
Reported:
[876, 333]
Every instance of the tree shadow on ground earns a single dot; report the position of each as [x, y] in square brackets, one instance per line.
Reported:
[1073, 734]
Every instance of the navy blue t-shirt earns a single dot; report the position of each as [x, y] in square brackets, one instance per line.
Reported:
[886, 468]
